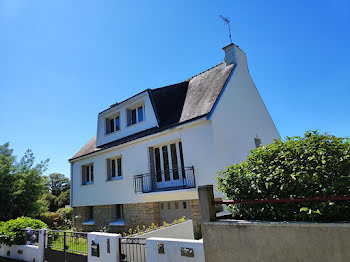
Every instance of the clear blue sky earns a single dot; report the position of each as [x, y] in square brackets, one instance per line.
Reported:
[63, 61]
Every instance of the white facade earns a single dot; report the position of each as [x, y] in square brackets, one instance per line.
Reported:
[210, 143]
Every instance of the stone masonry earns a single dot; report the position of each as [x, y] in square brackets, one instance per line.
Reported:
[140, 214]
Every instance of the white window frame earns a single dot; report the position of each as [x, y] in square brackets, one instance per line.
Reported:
[91, 174]
[114, 117]
[109, 168]
[128, 114]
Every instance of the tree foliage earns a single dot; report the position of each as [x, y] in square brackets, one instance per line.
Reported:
[316, 165]
[58, 183]
[21, 184]
[63, 199]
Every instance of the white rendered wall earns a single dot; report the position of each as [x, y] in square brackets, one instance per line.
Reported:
[149, 121]
[198, 150]
[29, 252]
[172, 250]
[101, 239]
[239, 116]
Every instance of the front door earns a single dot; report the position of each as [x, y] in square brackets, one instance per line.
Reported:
[169, 166]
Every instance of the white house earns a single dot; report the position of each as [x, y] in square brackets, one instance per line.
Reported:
[152, 150]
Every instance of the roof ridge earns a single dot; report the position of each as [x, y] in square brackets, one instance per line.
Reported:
[204, 71]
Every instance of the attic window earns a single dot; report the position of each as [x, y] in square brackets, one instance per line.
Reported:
[135, 115]
[112, 124]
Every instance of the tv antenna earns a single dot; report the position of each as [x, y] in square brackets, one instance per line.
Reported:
[227, 21]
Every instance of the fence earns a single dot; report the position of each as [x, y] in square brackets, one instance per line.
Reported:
[133, 249]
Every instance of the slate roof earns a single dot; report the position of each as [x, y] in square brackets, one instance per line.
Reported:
[177, 104]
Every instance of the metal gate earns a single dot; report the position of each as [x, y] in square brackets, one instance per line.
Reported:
[132, 249]
[65, 246]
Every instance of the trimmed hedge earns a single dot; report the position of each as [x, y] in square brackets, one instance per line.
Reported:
[316, 165]
[11, 231]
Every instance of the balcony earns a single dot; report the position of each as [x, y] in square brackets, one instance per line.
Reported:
[171, 179]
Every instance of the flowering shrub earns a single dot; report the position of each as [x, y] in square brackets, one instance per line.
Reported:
[316, 165]
[62, 219]
[143, 229]
[11, 231]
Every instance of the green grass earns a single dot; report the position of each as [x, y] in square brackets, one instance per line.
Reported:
[74, 245]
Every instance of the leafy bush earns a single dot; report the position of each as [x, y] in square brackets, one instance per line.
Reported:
[11, 231]
[62, 219]
[316, 165]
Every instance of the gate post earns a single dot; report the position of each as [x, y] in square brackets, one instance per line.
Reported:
[42, 238]
[108, 245]
[206, 206]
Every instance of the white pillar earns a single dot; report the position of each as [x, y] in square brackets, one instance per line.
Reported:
[42, 234]
[108, 246]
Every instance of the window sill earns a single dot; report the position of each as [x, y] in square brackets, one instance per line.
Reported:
[87, 184]
[115, 178]
[112, 132]
[118, 223]
[89, 223]
[136, 123]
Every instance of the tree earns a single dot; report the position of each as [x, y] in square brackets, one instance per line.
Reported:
[51, 201]
[7, 179]
[58, 183]
[22, 184]
[316, 165]
[63, 199]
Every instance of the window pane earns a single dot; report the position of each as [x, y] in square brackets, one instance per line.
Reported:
[92, 173]
[117, 123]
[119, 161]
[119, 211]
[91, 213]
[108, 126]
[113, 167]
[87, 173]
[111, 123]
[140, 114]
[182, 161]
[166, 163]
[174, 161]
[158, 167]
[133, 116]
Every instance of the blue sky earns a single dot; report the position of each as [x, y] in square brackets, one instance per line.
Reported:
[63, 61]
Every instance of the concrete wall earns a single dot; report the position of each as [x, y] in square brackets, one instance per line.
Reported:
[106, 254]
[183, 230]
[172, 250]
[243, 241]
[28, 252]
[25, 252]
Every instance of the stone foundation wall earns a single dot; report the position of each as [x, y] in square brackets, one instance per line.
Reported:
[134, 215]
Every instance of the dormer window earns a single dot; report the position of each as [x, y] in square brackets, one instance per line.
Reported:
[112, 124]
[135, 115]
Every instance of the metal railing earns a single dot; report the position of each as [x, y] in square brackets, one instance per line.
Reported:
[170, 179]
[132, 249]
[72, 242]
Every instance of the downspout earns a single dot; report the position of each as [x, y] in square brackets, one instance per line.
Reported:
[71, 184]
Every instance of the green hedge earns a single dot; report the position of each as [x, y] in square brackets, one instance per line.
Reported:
[11, 231]
[316, 165]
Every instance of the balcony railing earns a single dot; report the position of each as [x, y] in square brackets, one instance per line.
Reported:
[171, 179]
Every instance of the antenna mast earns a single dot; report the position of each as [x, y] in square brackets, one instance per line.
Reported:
[227, 21]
